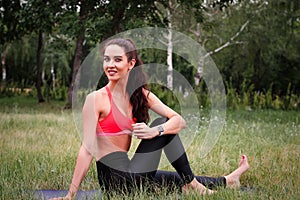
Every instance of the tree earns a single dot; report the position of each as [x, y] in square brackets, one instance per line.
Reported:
[105, 19]
[168, 11]
[230, 41]
[268, 58]
[3, 63]
[182, 15]
[172, 13]
[9, 30]
[40, 16]
[78, 50]
[9, 15]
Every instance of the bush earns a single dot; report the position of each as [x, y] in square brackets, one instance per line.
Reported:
[247, 98]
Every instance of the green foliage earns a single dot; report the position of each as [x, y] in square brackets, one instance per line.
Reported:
[9, 15]
[59, 94]
[266, 53]
[252, 99]
[166, 96]
[249, 98]
[232, 96]
[202, 94]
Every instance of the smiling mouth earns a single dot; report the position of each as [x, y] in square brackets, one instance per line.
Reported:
[111, 72]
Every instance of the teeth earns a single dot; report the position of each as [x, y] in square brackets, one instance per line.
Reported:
[111, 72]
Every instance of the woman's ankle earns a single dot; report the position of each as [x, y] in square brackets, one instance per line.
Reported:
[194, 185]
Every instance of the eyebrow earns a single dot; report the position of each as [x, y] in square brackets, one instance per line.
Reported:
[114, 56]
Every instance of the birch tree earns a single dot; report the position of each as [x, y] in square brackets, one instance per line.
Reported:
[219, 11]
[169, 11]
[232, 40]
[3, 63]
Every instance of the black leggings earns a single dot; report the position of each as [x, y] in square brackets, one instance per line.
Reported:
[117, 172]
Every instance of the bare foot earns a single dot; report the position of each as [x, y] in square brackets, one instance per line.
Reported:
[196, 186]
[233, 179]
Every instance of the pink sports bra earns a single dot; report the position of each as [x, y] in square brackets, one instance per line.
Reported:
[115, 123]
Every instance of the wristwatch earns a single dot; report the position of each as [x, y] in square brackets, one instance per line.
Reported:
[160, 130]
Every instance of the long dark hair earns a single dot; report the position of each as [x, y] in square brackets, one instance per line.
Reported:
[137, 80]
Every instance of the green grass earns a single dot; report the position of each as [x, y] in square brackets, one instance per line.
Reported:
[39, 145]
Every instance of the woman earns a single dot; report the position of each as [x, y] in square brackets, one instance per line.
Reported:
[118, 111]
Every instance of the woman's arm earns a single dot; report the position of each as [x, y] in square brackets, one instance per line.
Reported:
[174, 124]
[90, 114]
[83, 163]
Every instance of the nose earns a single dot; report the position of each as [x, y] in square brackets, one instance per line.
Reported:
[111, 63]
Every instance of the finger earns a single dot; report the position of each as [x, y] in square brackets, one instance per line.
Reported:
[138, 134]
[138, 125]
[144, 138]
[138, 130]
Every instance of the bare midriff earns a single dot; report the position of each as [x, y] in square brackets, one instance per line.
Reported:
[110, 144]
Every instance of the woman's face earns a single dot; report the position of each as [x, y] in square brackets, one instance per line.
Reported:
[115, 63]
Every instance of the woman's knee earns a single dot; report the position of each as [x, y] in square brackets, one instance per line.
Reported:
[158, 121]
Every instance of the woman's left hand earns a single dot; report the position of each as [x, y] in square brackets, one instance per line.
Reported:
[142, 131]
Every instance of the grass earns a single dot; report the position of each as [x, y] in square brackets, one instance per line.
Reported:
[39, 145]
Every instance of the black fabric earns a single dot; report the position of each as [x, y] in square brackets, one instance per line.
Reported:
[117, 172]
[169, 178]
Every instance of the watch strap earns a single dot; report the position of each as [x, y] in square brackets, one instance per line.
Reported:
[160, 130]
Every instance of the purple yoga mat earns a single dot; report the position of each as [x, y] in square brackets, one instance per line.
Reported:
[81, 195]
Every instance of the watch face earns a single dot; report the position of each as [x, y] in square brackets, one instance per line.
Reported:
[160, 129]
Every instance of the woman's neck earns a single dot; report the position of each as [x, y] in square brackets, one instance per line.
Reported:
[118, 88]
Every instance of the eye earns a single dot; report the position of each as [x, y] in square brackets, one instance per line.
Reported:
[106, 59]
[118, 59]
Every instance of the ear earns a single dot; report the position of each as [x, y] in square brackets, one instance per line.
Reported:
[131, 63]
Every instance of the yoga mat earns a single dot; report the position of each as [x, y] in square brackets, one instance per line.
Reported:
[88, 195]
[81, 195]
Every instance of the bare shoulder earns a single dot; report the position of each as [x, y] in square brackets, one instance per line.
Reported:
[97, 96]
[151, 97]
[100, 94]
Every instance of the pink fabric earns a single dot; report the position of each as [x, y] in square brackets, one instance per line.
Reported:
[115, 123]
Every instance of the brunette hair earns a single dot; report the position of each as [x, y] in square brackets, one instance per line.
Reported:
[137, 80]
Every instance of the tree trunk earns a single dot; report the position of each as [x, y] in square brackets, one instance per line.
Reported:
[199, 73]
[231, 41]
[116, 21]
[3, 59]
[77, 58]
[39, 68]
[118, 16]
[170, 49]
[76, 67]
[169, 61]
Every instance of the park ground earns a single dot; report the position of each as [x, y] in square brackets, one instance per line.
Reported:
[39, 145]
